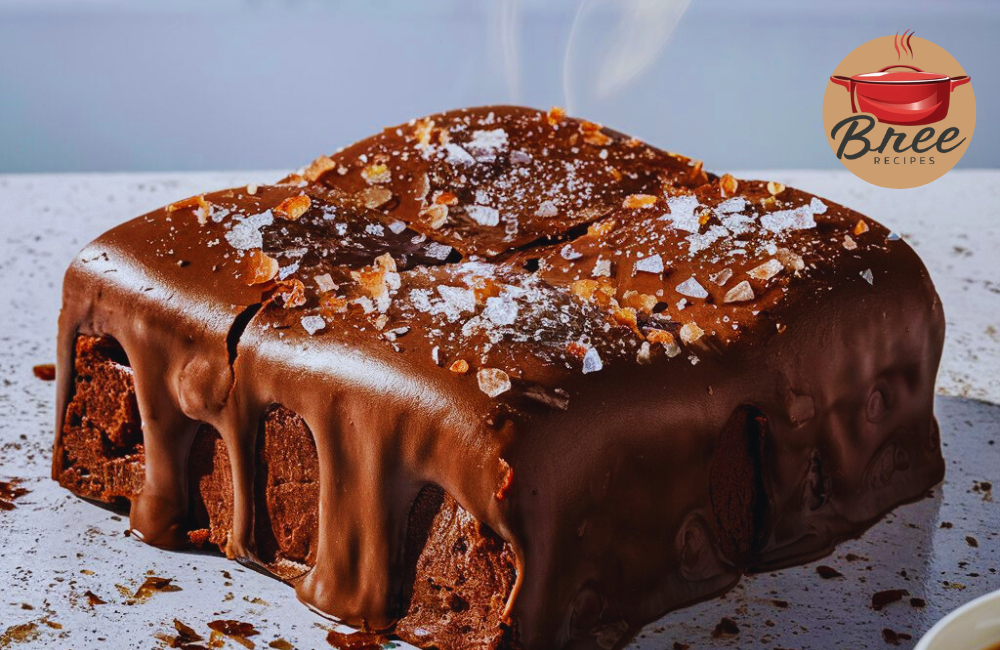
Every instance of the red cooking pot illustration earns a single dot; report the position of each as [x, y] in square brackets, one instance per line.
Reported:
[909, 98]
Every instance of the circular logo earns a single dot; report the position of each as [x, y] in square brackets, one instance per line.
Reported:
[899, 111]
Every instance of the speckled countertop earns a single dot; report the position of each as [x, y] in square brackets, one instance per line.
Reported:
[56, 549]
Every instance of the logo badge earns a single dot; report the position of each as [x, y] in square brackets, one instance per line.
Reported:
[899, 111]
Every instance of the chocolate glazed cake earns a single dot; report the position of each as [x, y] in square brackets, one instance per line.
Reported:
[499, 378]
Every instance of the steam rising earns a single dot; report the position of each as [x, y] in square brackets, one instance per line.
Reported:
[643, 29]
[903, 42]
[611, 42]
[509, 45]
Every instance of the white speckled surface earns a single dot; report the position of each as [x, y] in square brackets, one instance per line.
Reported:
[55, 547]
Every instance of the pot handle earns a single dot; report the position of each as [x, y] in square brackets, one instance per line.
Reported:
[847, 83]
[958, 81]
[911, 67]
[842, 81]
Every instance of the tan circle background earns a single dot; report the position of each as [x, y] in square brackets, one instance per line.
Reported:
[877, 54]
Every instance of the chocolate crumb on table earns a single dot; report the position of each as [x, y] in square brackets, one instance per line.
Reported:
[726, 627]
[895, 638]
[548, 381]
[9, 491]
[45, 371]
[882, 599]
[828, 572]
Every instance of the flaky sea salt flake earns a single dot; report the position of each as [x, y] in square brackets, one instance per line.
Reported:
[692, 289]
[547, 209]
[312, 324]
[483, 215]
[651, 264]
[246, 234]
[501, 310]
[722, 277]
[817, 206]
[742, 292]
[592, 361]
[438, 251]
[682, 213]
[493, 381]
[569, 253]
[457, 154]
[767, 270]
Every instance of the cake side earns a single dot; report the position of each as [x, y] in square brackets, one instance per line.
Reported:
[459, 573]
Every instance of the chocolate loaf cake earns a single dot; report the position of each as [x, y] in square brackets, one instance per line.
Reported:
[499, 378]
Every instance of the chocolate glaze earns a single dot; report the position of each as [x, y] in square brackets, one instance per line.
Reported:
[656, 439]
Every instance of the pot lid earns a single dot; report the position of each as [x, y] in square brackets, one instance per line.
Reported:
[900, 77]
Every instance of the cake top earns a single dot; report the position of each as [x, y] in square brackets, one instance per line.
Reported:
[516, 247]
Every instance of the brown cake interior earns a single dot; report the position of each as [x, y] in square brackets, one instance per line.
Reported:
[461, 573]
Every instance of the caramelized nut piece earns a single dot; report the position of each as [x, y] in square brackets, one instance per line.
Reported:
[292, 292]
[578, 350]
[790, 260]
[293, 207]
[262, 268]
[325, 283]
[860, 227]
[654, 335]
[691, 333]
[199, 202]
[506, 482]
[436, 215]
[605, 294]
[728, 185]
[775, 188]
[767, 270]
[330, 305]
[421, 186]
[484, 289]
[592, 134]
[445, 198]
[376, 173]
[697, 167]
[318, 167]
[375, 197]
[664, 338]
[555, 115]
[423, 130]
[627, 316]
[644, 302]
[584, 289]
[373, 279]
[639, 201]
[601, 228]
[459, 366]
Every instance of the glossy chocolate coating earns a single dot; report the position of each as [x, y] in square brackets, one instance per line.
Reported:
[671, 378]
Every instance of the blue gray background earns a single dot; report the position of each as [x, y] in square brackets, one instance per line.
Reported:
[112, 85]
